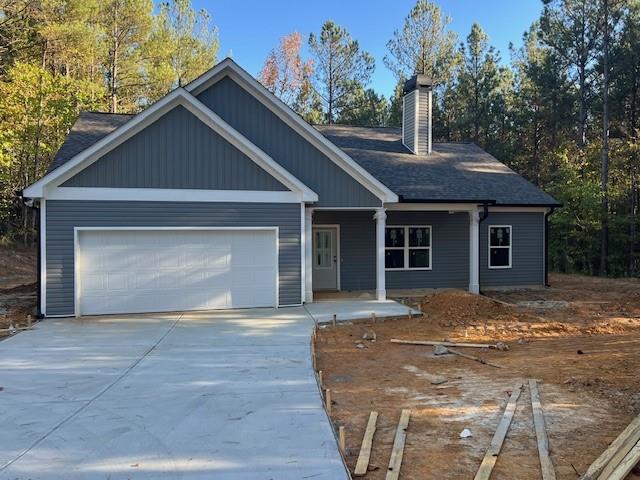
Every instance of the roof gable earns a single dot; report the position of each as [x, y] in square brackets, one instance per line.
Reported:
[281, 114]
[121, 134]
[176, 151]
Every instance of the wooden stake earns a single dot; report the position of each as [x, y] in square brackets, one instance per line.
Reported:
[490, 458]
[373, 317]
[362, 464]
[546, 466]
[335, 319]
[398, 446]
[410, 314]
[327, 400]
[617, 449]
[320, 379]
[342, 440]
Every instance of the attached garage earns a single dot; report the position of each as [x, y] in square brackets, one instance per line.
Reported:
[129, 270]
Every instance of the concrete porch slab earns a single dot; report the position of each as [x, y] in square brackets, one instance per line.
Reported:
[346, 310]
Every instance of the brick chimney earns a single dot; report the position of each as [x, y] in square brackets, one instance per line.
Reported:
[416, 114]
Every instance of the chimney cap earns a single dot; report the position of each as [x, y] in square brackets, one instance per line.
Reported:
[416, 82]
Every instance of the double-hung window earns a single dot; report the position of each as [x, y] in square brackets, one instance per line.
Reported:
[408, 247]
[500, 246]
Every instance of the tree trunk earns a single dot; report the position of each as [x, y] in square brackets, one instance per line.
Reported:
[604, 174]
[113, 73]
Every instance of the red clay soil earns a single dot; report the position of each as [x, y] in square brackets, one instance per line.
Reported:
[17, 286]
[588, 397]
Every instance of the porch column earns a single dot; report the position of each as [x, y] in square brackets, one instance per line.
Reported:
[474, 252]
[308, 255]
[380, 217]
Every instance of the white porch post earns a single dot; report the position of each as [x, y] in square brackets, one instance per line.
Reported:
[308, 255]
[474, 252]
[380, 217]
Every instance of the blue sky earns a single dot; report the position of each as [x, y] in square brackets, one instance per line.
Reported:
[250, 28]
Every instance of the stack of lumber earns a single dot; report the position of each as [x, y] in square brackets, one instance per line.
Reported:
[619, 458]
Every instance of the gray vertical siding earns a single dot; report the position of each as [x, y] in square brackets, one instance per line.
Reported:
[176, 151]
[449, 256]
[63, 216]
[527, 267]
[265, 129]
[409, 120]
[450, 245]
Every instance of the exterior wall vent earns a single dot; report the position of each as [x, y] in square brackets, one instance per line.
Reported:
[416, 114]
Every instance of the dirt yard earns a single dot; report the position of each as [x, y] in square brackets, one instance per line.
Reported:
[17, 286]
[580, 339]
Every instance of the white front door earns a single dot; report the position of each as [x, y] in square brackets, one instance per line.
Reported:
[325, 258]
[138, 271]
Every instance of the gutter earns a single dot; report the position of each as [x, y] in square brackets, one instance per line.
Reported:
[546, 245]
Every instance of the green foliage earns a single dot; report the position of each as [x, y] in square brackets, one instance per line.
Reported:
[339, 65]
[364, 107]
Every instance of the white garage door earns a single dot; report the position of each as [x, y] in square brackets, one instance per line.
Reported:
[136, 271]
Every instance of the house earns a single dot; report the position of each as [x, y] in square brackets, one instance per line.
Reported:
[220, 196]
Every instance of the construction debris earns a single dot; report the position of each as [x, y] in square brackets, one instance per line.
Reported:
[490, 458]
[477, 359]
[546, 466]
[466, 433]
[445, 344]
[440, 350]
[362, 466]
[398, 446]
[616, 454]
[369, 335]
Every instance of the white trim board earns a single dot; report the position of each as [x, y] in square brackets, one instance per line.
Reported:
[510, 247]
[340, 158]
[77, 287]
[172, 195]
[42, 187]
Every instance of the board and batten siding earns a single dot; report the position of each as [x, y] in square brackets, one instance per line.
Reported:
[424, 121]
[450, 254]
[63, 215]
[527, 263]
[262, 127]
[176, 151]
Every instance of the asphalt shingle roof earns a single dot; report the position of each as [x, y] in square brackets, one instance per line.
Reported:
[454, 172]
[88, 129]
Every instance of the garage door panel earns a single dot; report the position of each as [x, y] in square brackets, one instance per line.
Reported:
[134, 271]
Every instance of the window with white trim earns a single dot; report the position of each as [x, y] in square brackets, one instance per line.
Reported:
[407, 247]
[500, 246]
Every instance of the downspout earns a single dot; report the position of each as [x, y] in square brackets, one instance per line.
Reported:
[546, 245]
[483, 217]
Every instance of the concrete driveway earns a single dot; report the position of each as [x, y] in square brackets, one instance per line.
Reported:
[209, 396]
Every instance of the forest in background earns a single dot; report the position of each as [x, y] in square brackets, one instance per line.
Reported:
[563, 110]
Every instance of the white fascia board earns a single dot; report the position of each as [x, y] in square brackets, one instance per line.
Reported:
[172, 195]
[296, 122]
[433, 207]
[145, 118]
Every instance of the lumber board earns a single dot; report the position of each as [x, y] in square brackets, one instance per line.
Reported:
[622, 441]
[444, 344]
[620, 454]
[395, 462]
[491, 457]
[477, 359]
[626, 465]
[546, 465]
[362, 464]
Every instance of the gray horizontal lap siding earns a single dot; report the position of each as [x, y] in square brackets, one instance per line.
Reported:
[265, 129]
[63, 216]
[176, 151]
[449, 254]
[527, 251]
[450, 245]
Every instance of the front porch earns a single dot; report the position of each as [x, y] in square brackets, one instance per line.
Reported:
[363, 254]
